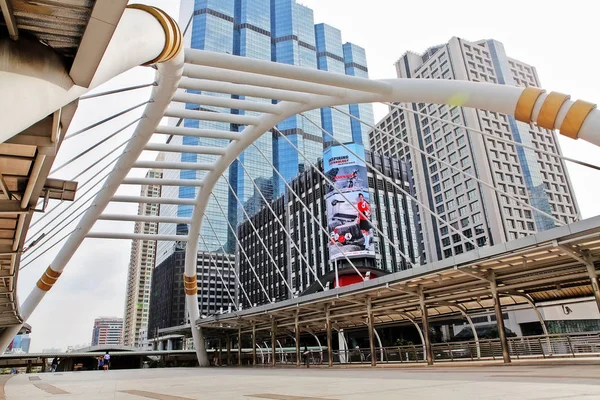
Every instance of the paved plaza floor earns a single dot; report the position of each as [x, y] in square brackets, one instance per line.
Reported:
[541, 381]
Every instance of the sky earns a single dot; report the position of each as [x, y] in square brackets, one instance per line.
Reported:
[559, 39]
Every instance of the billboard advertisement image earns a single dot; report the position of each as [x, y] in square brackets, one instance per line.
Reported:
[348, 203]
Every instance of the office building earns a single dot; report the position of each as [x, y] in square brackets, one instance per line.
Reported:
[272, 30]
[141, 265]
[107, 331]
[392, 213]
[216, 289]
[482, 215]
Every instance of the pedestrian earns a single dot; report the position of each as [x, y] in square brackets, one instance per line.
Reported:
[106, 361]
[306, 353]
[54, 364]
[100, 361]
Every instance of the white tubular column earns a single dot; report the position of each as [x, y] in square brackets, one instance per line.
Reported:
[169, 71]
[33, 90]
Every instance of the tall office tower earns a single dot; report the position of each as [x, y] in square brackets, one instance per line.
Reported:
[330, 57]
[275, 30]
[294, 42]
[107, 331]
[141, 265]
[355, 62]
[484, 216]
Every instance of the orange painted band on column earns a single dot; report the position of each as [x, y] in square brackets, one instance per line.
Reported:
[575, 118]
[191, 292]
[526, 104]
[550, 109]
[48, 279]
[43, 286]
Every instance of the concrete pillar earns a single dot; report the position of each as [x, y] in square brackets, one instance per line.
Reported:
[228, 350]
[499, 319]
[329, 342]
[273, 342]
[371, 324]
[170, 344]
[253, 344]
[220, 353]
[161, 345]
[594, 280]
[425, 323]
[44, 365]
[297, 333]
[28, 370]
[239, 345]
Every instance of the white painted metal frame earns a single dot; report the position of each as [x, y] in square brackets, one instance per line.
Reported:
[298, 90]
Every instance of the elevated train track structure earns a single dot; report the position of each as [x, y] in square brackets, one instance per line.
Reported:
[39, 87]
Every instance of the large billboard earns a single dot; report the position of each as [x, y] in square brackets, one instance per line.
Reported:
[348, 203]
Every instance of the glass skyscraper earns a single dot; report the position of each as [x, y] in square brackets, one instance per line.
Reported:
[281, 31]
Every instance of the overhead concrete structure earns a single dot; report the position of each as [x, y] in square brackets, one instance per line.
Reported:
[57, 52]
[140, 38]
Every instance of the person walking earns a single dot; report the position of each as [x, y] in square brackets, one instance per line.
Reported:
[305, 354]
[106, 361]
[54, 364]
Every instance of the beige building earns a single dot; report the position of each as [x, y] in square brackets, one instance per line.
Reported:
[479, 213]
[141, 265]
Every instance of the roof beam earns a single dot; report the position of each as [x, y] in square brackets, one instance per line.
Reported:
[11, 207]
[9, 17]
[98, 32]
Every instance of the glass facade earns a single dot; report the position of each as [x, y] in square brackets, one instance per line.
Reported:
[276, 30]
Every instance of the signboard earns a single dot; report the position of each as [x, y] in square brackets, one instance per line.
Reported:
[348, 204]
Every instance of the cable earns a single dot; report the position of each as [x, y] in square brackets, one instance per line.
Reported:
[87, 128]
[306, 208]
[281, 224]
[490, 136]
[47, 250]
[94, 146]
[406, 258]
[91, 96]
[258, 236]
[431, 212]
[89, 180]
[495, 189]
[72, 204]
[239, 245]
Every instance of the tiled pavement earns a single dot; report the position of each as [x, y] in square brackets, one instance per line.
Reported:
[559, 380]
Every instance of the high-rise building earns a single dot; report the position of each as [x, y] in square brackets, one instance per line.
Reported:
[485, 216]
[273, 30]
[107, 331]
[392, 213]
[141, 265]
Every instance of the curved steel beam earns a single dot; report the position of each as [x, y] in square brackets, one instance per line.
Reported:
[408, 317]
[462, 309]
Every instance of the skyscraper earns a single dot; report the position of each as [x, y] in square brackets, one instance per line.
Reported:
[276, 30]
[482, 215]
[107, 331]
[141, 265]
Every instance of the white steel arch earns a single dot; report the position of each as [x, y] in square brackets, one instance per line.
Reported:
[298, 90]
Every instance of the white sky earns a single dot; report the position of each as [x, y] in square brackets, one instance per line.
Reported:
[556, 37]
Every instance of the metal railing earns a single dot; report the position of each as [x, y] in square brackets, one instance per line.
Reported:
[586, 344]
